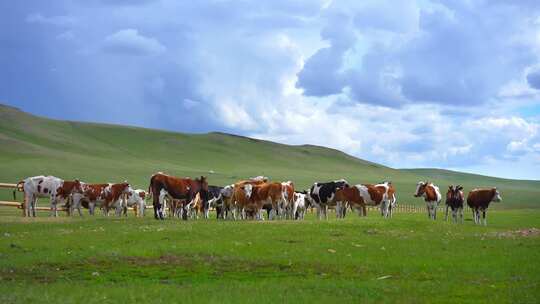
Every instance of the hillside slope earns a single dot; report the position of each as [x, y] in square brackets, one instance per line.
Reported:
[31, 145]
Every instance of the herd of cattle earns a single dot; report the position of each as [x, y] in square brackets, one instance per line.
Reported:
[187, 198]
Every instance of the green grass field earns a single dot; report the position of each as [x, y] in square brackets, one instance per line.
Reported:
[407, 259]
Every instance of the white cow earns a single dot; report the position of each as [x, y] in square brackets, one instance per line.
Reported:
[46, 186]
[299, 205]
[135, 199]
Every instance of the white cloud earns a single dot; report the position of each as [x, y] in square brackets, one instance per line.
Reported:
[130, 42]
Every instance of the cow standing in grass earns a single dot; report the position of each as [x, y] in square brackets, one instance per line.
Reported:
[266, 194]
[47, 186]
[299, 205]
[107, 196]
[431, 195]
[454, 201]
[288, 199]
[177, 188]
[479, 200]
[362, 195]
[224, 205]
[323, 194]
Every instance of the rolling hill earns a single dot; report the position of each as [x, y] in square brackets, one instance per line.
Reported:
[32, 145]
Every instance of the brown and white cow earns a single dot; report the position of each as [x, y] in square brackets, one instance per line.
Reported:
[266, 194]
[362, 195]
[454, 201]
[288, 199]
[107, 196]
[236, 197]
[432, 196]
[479, 200]
[177, 188]
[47, 186]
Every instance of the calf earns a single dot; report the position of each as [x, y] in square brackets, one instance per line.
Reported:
[431, 195]
[479, 200]
[454, 200]
[322, 194]
[299, 206]
[135, 199]
[47, 186]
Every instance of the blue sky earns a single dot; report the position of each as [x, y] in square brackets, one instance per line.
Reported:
[448, 84]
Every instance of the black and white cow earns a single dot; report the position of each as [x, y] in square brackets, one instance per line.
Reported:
[214, 199]
[322, 194]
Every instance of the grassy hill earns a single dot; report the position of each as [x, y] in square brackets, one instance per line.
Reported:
[31, 145]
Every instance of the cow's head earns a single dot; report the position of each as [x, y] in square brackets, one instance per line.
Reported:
[77, 186]
[420, 188]
[125, 187]
[454, 191]
[341, 183]
[202, 184]
[496, 195]
[248, 190]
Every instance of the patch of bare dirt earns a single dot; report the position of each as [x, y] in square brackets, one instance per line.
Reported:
[527, 232]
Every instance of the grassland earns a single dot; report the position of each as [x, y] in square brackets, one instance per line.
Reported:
[31, 145]
[407, 259]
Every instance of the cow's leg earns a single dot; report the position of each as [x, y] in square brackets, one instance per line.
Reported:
[28, 200]
[484, 215]
[446, 215]
[293, 210]
[461, 214]
[54, 212]
[339, 211]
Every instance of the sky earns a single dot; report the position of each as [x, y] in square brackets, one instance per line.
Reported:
[447, 84]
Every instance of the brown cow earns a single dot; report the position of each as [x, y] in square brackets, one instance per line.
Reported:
[267, 193]
[176, 188]
[240, 199]
[351, 196]
[479, 199]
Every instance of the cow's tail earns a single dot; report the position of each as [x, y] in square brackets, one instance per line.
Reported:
[150, 187]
